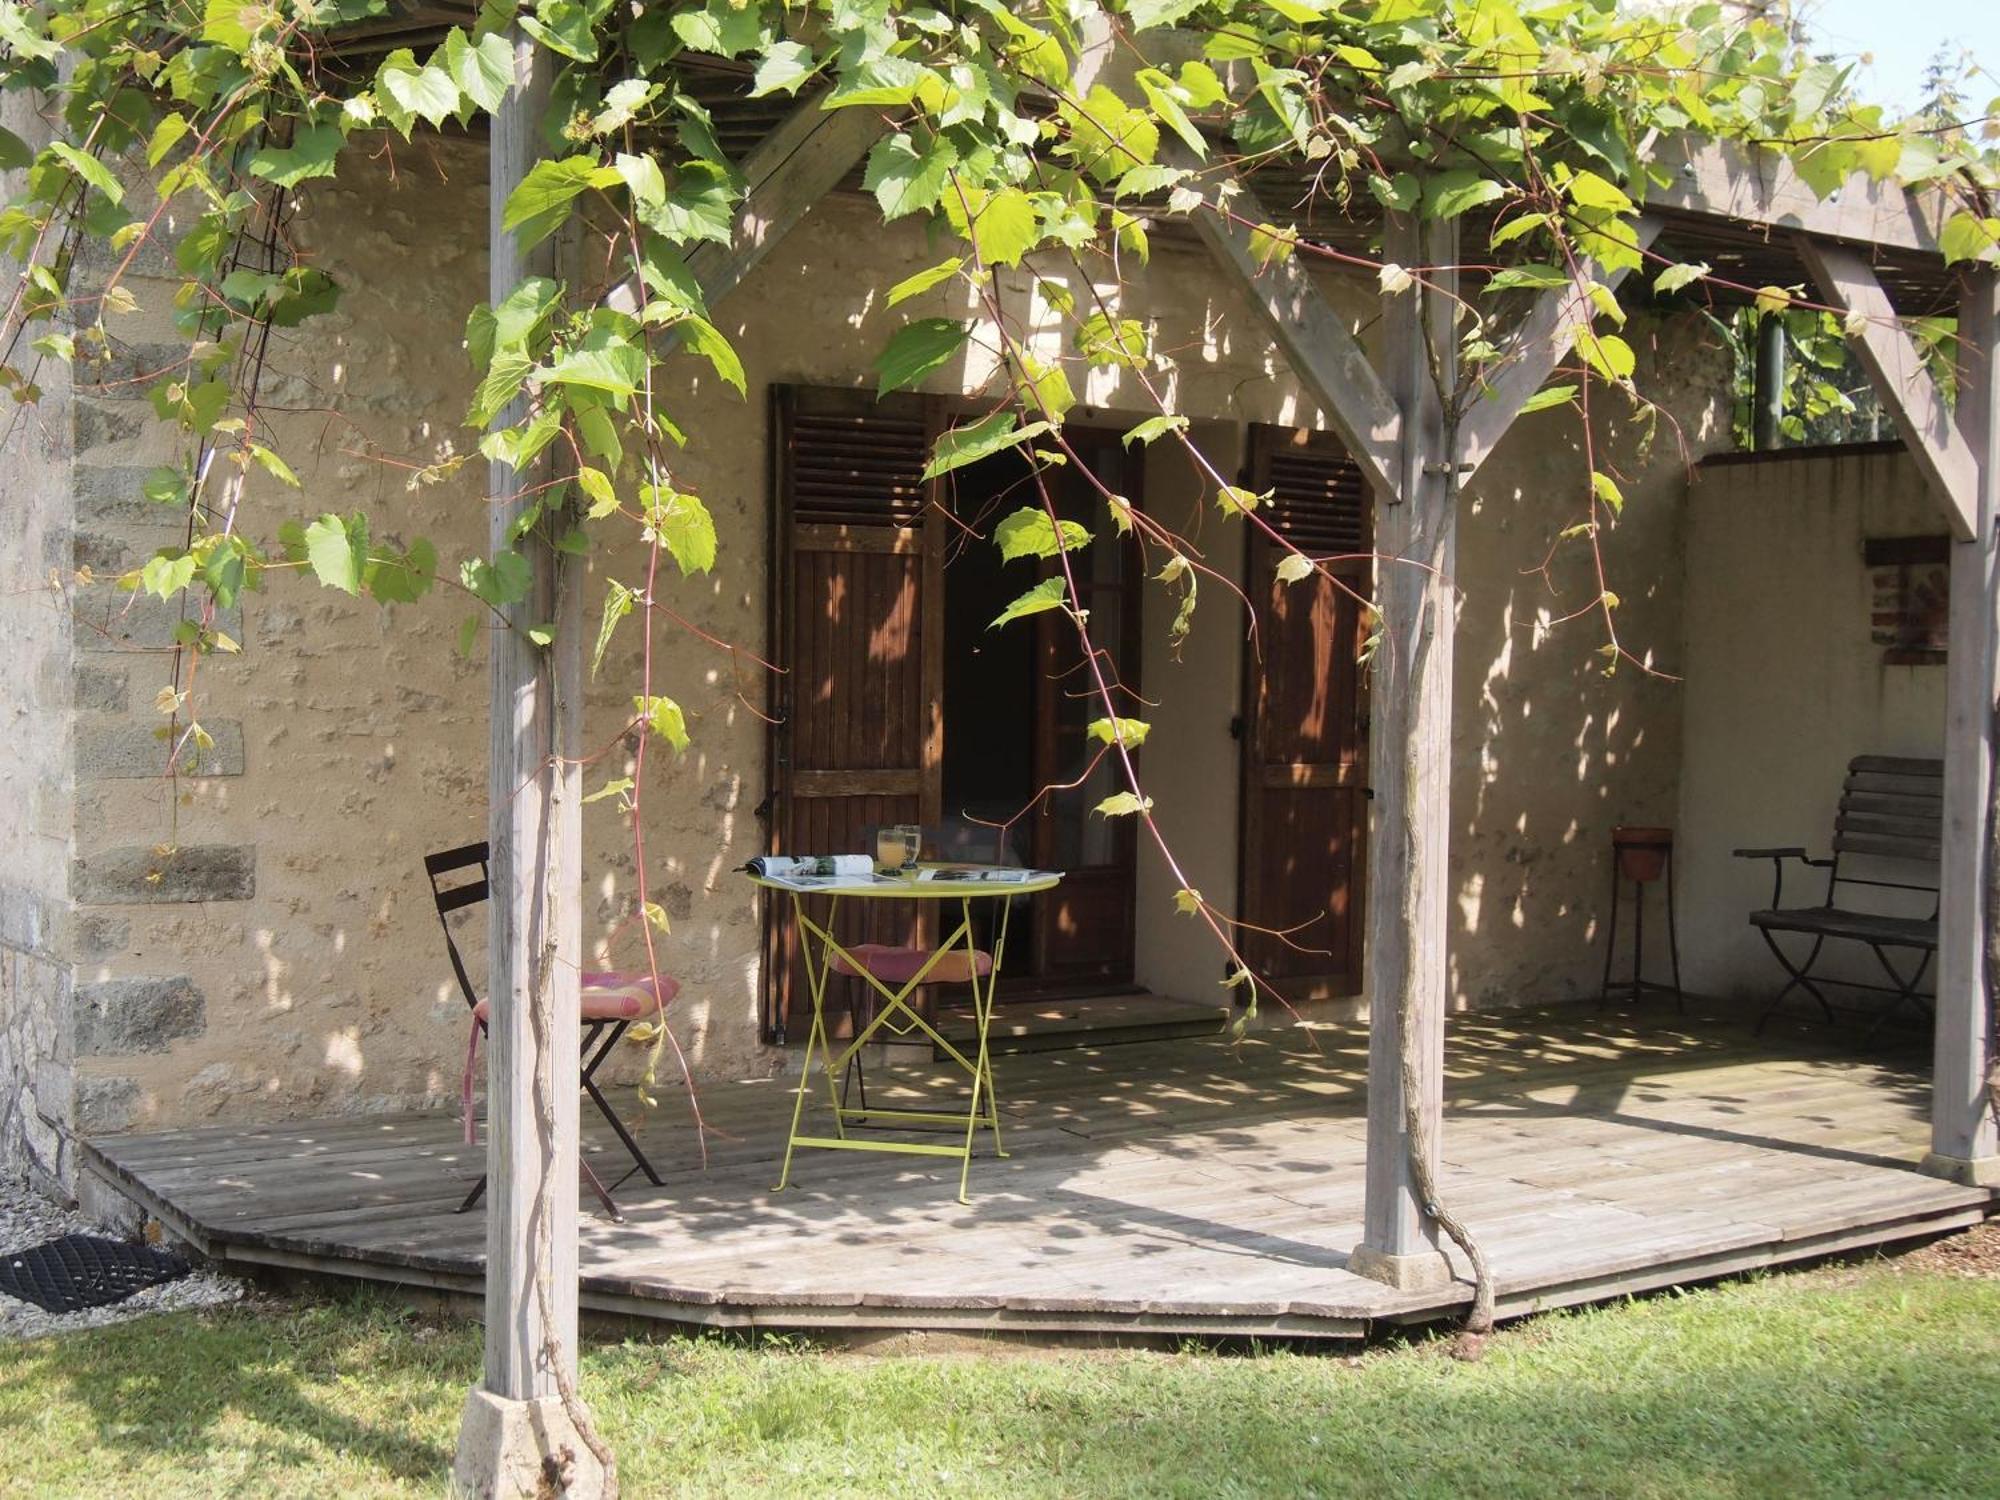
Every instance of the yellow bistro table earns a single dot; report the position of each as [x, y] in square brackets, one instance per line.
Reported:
[897, 1015]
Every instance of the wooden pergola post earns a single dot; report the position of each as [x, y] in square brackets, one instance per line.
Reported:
[516, 1431]
[1409, 754]
[1964, 1144]
[1954, 449]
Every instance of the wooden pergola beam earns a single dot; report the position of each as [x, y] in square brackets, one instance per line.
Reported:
[1965, 1142]
[1746, 186]
[1531, 355]
[1327, 359]
[1896, 369]
[785, 174]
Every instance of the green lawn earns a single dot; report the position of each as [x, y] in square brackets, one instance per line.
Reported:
[1875, 1380]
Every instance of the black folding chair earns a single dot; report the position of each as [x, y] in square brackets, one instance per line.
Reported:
[601, 1032]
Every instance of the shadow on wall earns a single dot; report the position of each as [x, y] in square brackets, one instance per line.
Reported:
[1551, 750]
[1786, 682]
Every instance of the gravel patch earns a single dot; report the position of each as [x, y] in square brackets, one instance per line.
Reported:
[28, 1219]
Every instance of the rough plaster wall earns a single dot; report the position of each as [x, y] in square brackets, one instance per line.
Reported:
[1549, 752]
[292, 949]
[1784, 685]
[1193, 773]
[35, 660]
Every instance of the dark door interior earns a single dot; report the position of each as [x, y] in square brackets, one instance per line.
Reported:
[1017, 704]
[1304, 820]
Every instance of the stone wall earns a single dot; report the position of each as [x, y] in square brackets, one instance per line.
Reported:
[36, 647]
[285, 959]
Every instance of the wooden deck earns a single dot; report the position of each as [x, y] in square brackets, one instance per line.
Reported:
[1185, 1187]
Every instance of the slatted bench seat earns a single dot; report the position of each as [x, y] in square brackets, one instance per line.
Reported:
[1887, 837]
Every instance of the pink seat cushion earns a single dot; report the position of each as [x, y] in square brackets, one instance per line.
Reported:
[894, 965]
[615, 997]
[604, 996]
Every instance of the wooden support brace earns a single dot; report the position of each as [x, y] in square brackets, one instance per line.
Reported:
[1964, 1142]
[1328, 360]
[1896, 368]
[802, 160]
[1531, 354]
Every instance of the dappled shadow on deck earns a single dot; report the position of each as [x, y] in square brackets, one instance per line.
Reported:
[1198, 1183]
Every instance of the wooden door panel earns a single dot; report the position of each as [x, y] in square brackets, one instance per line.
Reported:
[1302, 860]
[855, 734]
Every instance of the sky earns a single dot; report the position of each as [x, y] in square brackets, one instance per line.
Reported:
[1901, 36]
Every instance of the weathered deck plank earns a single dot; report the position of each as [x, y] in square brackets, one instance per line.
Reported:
[1184, 1186]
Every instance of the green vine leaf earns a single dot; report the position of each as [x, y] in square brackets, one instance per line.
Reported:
[501, 582]
[1110, 731]
[405, 92]
[682, 524]
[1123, 805]
[90, 169]
[540, 204]
[1005, 228]
[1047, 595]
[784, 67]
[1554, 395]
[923, 281]
[338, 551]
[403, 579]
[1154, 428]
[1028, 532]
[314, 152]
[906, 180]
[618, 601]
[705, 339]
[483, 70]
[663, 717]
[991, 434]
[916, 349]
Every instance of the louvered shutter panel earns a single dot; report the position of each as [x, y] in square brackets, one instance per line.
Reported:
[1303, 858]
[857, 635]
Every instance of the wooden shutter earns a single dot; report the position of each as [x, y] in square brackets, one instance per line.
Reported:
[1304, 823]
[857, 633]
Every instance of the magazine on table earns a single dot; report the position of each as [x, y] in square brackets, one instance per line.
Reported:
[814, 872]
[982, 874]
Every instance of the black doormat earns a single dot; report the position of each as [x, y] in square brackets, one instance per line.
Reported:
[81, 1270]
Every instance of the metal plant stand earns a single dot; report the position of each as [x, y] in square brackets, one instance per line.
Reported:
[1641, 857]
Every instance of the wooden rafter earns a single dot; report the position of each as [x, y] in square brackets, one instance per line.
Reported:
[1531, 355]
[1328, 360]
[1896, 368]
[790, 170]
[1746, 186]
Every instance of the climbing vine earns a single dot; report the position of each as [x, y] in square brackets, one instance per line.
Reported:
[1024, 135]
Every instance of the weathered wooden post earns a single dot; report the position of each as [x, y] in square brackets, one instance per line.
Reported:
[1964, 1144]
[1409, 754]
[1954, 449]
[517, 1437]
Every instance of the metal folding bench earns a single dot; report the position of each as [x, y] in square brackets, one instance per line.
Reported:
[1889, 825]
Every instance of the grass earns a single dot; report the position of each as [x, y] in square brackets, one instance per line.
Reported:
[1880, 1379]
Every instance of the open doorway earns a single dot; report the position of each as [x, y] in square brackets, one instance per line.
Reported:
[1017, 706]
